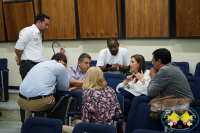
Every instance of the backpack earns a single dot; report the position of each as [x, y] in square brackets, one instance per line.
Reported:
[60, 111]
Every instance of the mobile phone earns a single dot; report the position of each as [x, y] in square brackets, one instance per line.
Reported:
[108, 65]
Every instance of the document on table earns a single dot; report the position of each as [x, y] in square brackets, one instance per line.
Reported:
[135, 93]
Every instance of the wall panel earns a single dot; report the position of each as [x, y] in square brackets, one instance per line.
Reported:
[62, 19]
[17, 17]
[2, 32]
[187, 18]
[97, 18]
[147, 18]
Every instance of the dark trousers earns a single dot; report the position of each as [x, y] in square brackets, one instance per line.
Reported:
[25, 67]
[128, 97]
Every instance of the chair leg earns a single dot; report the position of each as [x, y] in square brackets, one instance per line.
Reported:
[70, 121]
[2, 86]
[124, 126]
[115, 124]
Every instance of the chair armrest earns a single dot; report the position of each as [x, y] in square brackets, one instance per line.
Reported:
[3, 69]
[121, 88]
[71, 114]
[189, 75]
[119, 117]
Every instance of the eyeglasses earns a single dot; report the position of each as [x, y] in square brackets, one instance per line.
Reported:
[153, 60]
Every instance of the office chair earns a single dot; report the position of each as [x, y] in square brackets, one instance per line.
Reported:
[42, 125]
[93, 128]
[4, 79]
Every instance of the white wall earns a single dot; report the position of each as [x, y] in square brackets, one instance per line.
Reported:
[181, 50]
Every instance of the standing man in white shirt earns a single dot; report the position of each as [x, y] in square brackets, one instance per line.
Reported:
[114, 58]
[29, 49]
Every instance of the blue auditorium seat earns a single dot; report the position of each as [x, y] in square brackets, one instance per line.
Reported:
[184, 66]
[114, 79]
[195, 86]
[149, 64]
[4, 78]
[120, 119]
[197, 70]
[131, 120]
[41, 125]
[93, 63]
[93, 128]
[77, 95]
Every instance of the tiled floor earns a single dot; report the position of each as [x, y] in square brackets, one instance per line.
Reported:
[10, 127]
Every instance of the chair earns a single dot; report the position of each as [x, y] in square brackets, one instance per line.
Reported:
[195, 86]
[120, 119]
[197, 70]
[93, 128]
[4, 79]
[149, 64]
[114, 79]
[130, 122]
[146, 131]
[77, 95]
[142, 120]
[93, 63]
[42, 125]
[184, 66]
[59, 110]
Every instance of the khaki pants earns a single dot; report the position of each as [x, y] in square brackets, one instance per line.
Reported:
[69, 129]
[43, 104]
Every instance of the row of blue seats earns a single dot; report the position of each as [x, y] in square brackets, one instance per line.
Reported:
[137, 115]
[184, 66]
[138, 120]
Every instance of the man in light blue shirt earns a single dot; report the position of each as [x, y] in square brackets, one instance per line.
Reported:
[36, 90]
[76, 74]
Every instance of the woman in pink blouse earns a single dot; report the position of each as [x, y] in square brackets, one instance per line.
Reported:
[100, 102]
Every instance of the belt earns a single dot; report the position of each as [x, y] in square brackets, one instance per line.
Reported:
[33, 98]
[29, 61]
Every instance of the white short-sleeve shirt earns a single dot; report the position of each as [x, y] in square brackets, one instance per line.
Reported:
[30, 41]
[122, 57]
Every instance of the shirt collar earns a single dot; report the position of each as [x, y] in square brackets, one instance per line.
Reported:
[79, 69]
[36, 29]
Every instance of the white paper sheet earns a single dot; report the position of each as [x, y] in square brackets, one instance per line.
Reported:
[135, 93]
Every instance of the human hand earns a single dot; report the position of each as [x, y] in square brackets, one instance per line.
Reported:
[18, 61]
[153, 72]
[72, 89]
[130, 77]
[62, 62]
[113, 67]
[139, 76]
[121, 68]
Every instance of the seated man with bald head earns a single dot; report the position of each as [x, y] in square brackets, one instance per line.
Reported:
[114, 58]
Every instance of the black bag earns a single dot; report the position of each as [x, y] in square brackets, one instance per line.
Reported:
[60, 111]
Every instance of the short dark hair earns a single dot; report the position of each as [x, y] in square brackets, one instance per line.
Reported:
[41, 17]
[59, 56]
[163, 54]
[140, 59]
[83, 56]
[112, 39]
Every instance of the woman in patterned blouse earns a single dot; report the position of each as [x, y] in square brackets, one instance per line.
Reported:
[100, 102]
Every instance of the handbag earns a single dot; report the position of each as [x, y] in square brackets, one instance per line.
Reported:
[160, 104]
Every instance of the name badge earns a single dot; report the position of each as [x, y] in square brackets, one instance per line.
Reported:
[35, 39]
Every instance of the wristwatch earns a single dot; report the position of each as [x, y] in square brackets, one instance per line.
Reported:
[117, 68]
[142, 79]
